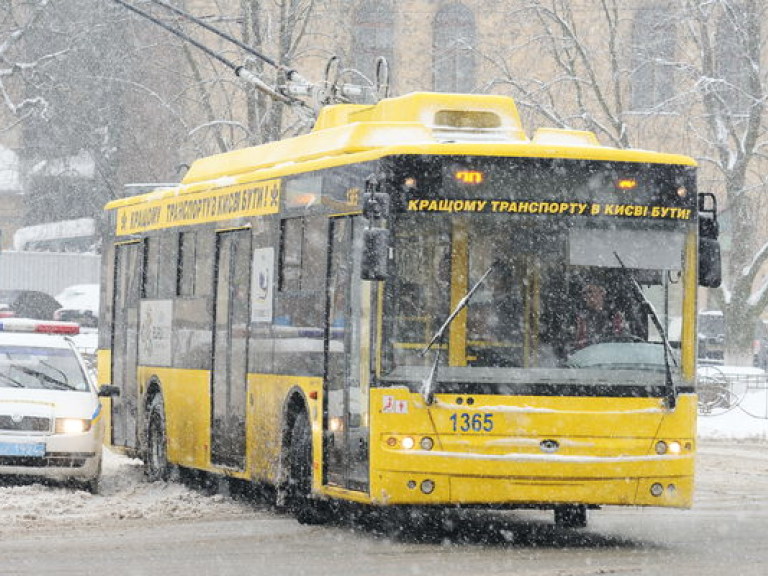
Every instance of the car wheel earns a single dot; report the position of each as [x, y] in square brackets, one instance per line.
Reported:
[571, 516]
[156, 466]
[92, 485]
[307, 509]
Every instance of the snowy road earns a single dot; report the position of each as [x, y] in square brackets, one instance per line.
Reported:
[135, 527]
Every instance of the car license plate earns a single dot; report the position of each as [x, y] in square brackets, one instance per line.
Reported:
[36, 450]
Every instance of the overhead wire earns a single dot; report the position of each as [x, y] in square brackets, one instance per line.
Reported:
[239, 70]
[290, 73]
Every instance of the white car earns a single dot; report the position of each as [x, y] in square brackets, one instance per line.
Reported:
[51, 423]
[79, 303]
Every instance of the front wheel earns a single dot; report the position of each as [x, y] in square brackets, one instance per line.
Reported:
[93, 485]
[308, 510]
[571, 516]
[156, 466]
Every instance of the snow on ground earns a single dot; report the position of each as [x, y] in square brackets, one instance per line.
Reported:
[126, 495]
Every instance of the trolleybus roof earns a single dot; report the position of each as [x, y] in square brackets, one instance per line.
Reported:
[418, 123]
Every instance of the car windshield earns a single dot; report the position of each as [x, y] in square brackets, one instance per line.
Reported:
[8, 296]
[41, 368]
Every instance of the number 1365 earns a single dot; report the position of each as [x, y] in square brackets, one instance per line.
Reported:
[466, 422]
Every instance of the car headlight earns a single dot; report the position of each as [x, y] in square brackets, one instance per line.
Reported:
[72, 426]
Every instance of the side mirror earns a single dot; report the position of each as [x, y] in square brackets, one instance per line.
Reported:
[708, 225]
[375, 260]
[375, 205]
[710, 265]
[108, 391]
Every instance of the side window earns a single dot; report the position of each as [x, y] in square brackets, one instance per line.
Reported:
[315, 253]
[186, 280]
[151, 262]
[166, 275]
[291, 250]
[205, 249]
[300, 301]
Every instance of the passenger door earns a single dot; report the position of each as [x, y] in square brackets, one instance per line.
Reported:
[345, 434]
[230, 348]
[129, 273]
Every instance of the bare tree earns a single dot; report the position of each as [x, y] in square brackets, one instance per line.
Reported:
[17, 73]
[730, 79]
[100, 97]
[688, 75]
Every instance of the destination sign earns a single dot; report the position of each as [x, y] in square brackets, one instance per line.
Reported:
[549, 208]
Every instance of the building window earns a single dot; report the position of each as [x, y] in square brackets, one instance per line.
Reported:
[453, 43]
[373, 37]
[735, 31]
[653, 51]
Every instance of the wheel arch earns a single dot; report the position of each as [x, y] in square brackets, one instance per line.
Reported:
[295, 403]
[153, 389]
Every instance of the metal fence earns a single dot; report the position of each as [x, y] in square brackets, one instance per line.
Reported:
[721, 389]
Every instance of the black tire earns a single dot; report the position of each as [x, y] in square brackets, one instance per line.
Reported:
[306, 508]
[94, 484]
[574, 516]
[156, 466]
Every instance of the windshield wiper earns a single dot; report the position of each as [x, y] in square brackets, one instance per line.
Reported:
[12, 381]
[64, 379]
[671, 395]
[426, 389]
[59, 384]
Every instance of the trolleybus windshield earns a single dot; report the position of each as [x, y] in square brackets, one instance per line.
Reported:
[557, 312]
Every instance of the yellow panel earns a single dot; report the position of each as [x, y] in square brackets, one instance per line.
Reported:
[186, 397]
[180, 210]
[605, 449]
[267, 395]
[104, 366]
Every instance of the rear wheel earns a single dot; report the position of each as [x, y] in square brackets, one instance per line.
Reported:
[307, 509]
[156, 466]
[571, 516]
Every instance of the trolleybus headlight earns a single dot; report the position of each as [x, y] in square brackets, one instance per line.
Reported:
[674, 448]
[661, 447]
[427, 486]
[335, 424]
[427, 443]
[408, 443]
[657, 489]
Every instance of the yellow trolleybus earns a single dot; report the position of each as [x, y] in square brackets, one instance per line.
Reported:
[415, 304]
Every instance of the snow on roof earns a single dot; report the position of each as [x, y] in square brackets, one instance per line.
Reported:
[78, 228]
